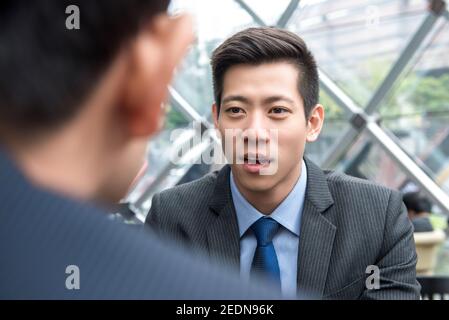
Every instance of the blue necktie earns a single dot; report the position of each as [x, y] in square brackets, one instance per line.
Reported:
[265, 262]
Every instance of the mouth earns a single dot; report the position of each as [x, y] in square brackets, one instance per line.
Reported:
[253, 163]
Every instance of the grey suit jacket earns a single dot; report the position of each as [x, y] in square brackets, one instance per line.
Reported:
[347, 225]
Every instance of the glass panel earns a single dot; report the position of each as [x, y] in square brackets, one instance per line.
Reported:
[193, 80]
[356, 42]
[367, 160]
[334, 124]
[158, 154]
[214, 21]
[417, 109]
[268, 10]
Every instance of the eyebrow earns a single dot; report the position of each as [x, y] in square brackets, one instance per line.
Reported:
[235, 98]
[267, 100]
[277, 98]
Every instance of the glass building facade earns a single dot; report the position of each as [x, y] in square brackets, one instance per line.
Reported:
[384, 83]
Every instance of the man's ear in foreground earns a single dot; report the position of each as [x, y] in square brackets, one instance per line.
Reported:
[153, 57]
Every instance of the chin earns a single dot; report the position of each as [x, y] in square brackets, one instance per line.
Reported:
[254, 182]
[257, 187]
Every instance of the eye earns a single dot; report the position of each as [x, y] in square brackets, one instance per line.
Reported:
[234, 110]
[278, 110]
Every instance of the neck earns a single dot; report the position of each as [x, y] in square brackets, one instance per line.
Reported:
[267, 201]
[71, 160]
[68, 163]
[75, 158]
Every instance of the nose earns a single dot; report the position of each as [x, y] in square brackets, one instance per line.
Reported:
[257, 130]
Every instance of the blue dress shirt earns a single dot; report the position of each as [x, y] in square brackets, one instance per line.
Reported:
[286, 241]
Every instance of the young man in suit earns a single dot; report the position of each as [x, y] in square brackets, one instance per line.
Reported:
[277, 213]
[78, 103]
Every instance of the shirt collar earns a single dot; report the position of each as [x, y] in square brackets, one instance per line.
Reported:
[288, 213]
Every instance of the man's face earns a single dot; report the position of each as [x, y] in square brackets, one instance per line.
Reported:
[151, 60]
[262, 99]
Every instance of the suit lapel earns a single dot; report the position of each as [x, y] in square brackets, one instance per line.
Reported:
[223, 234]
[316, 235]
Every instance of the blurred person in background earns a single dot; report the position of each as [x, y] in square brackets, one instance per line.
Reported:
[420, 212]
[419, 209]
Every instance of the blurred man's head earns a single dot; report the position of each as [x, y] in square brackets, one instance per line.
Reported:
[417, 204]
[87, 95]
[267, 79]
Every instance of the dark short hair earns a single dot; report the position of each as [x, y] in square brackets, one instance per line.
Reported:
[255, 46]
[46, 70]
[417, 202]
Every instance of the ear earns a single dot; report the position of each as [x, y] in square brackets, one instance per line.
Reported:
[153, 56]
[215, 115]
[315, 123]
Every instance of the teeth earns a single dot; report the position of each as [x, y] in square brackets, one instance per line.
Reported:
[258, 161]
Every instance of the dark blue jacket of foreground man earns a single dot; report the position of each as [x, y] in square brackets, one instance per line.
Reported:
[53, 247]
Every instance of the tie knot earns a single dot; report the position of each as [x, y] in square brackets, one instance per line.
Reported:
[264, 229]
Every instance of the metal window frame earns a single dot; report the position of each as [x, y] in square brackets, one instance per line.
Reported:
[377, 133]
[361, 119]
[287, 14]
[351, 135]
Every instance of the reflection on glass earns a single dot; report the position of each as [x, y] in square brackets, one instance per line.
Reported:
[417, 109]
[334, 124]
[367, 160]
[214, 21]
[268, 10]
[158, 153]
[355, 42]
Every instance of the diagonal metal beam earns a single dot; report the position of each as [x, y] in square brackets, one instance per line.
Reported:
[162, 175]
[185, 108]
[188, 111]
[337, 94]
[250, 11]
[403, 60]
[351, 135]
[191, 114]
[287, 14]
[392, 148]
[362, 121]
[366, 123]
[345, 141]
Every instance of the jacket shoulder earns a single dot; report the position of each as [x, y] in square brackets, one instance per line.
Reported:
[340, 182]
[197, 190]
[361, 198]
[191, 199]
